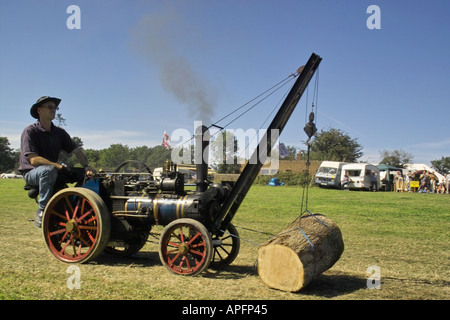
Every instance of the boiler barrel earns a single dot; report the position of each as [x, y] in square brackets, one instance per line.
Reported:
[161, 209]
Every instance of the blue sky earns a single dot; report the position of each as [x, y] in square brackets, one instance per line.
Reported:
[131, 71]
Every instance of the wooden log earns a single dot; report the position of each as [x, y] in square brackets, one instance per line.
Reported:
[309, 246]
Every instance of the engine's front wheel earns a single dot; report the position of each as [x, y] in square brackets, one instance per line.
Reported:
[185, 247]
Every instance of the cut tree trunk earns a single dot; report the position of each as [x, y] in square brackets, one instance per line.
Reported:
[311, 245]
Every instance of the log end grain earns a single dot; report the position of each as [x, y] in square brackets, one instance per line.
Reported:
[279, 267]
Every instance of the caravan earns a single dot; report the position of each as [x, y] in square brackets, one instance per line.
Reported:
[329, 174]
[360, 175]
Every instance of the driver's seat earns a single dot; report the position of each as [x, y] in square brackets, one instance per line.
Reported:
[33, 191]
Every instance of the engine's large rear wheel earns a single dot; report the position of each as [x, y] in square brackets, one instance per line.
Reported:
[76, 225]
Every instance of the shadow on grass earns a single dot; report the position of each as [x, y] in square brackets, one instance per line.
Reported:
[141, 259]
[334, 285]
[325, 285]
[144, 259]
[231, 272]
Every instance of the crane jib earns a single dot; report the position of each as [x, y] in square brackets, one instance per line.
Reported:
[251, 170]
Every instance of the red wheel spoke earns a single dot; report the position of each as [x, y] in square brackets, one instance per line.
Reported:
[173, 244]
[51, 234]
[187, 263]
[63, 249]
[67, 215]
[64, 236]
[202, 254]
[194, 237]
[82, 205]
[181, 235]
[75, 210]
[91, 237]
[88, 228]
[94, 218]
[201, 244]
[79, 250]
[86, 243]
[85, 215]
[74, 249]
[170, 262]
[70, 207]
[180, 266]
[53, 212]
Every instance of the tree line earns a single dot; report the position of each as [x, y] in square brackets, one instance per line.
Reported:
[108, 159]
[332, 145]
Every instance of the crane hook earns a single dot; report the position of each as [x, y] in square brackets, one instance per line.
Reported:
[310, 128]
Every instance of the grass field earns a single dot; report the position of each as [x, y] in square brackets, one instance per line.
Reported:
[405, 235]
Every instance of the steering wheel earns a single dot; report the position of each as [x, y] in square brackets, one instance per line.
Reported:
[137, 164]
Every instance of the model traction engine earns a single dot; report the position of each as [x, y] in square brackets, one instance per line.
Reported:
[114, 212]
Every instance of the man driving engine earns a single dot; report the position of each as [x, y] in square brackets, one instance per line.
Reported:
[41, 144]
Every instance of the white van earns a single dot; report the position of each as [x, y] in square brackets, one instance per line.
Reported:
[329, 174]
[359, 175]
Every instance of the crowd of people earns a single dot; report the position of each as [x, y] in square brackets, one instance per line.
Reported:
[428, 181]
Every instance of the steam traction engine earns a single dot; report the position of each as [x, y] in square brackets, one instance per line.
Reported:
[114, 212]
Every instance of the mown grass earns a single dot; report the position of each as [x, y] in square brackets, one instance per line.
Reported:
[406, 235]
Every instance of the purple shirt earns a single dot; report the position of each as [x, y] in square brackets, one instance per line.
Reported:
[47, 144]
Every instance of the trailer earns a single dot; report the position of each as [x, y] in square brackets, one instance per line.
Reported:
[359, 175]
[329, 174]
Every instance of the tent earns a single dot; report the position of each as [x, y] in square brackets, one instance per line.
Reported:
[421, 166]
[388, 177]
[388, 168]
[275, 182]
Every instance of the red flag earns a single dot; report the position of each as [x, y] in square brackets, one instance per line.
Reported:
[166, 136]
[165, 144]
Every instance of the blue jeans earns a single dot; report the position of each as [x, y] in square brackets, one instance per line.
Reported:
[44, 177]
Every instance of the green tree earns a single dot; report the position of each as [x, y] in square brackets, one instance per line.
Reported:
[69, 159]
[442, 166]
[396, 158]
[224, 149]
[110, 158]
[93, 157]
[113, 156]
[335, 145]
[8, 157]
[141, 153]
[157, 157]
[292, 153]
[60, 120]
[64, 157]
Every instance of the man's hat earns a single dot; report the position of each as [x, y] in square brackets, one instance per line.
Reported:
[39, 102]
